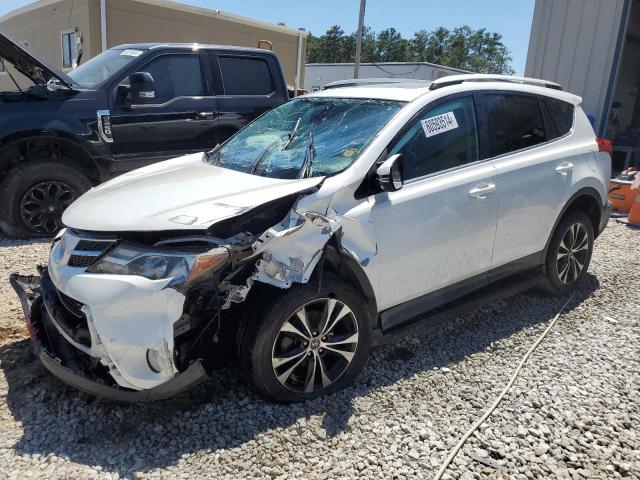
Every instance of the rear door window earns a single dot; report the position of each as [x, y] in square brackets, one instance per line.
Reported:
[245, 75]
[513, 122]
[562, 114]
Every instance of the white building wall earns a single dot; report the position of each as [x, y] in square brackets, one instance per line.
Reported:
[317, 75]
[573, 42]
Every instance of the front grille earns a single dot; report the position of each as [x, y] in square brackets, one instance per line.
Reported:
[64, 312]
[93, 245]
[81, 261]
[71, 304]
[87, 250]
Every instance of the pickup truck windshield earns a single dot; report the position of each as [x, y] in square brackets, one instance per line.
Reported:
[101, 67]
[306, 137]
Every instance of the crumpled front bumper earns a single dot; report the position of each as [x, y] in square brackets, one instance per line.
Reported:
[59, 356]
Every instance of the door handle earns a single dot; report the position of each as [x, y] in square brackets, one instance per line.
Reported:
[205, 115]
[482, 192]
[564, 168]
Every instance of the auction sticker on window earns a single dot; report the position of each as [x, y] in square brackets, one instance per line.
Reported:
[131, 53]
[439, 124]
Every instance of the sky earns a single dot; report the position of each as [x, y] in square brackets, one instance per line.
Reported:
[511, 18]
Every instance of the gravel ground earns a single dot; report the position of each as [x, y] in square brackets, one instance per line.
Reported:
[573, 413]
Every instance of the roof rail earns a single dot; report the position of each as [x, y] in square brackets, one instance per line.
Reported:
[480, 77]
[366, 82]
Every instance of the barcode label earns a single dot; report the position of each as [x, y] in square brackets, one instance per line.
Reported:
[438, 124]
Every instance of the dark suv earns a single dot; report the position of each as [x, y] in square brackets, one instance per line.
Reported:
[128, 107]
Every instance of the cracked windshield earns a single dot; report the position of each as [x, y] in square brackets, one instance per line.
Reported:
[307, 137]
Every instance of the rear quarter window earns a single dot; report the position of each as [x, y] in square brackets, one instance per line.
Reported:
[513, 121]
[562, 114]
[245, 76]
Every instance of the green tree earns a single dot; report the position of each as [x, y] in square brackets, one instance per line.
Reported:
[437, 45]
[475, 50]
[391, 47]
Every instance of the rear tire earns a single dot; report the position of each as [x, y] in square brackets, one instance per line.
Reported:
[291, 351]
[34, 196]
[569, 254]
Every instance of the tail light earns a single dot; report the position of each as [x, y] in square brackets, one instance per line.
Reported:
[604, 145]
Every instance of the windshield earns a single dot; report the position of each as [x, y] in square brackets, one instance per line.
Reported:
[101, 67]
[306, 137]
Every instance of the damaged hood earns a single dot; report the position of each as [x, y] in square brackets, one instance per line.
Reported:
[185, 193]
[28, 63]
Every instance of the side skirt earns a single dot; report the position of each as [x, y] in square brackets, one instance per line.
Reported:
[506, 287]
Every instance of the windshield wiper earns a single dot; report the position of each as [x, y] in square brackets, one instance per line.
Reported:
[292, 134]
[256, 164]
[309, 158]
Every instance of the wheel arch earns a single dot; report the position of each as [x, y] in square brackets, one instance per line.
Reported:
[346, 267]
[587, 200]
[36, 144]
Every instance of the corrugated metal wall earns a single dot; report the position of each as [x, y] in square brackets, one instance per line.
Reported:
[573, 43]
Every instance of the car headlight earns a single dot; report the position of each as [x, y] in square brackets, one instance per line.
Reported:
[158, 263]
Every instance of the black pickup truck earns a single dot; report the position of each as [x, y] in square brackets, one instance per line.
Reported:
[128, 107]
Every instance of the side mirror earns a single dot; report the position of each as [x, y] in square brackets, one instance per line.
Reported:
[123, 96]
[143, 88]
[390, 175]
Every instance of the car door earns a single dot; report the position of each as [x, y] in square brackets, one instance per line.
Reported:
[181, 120]
[435, 235]
[534, 174]
[245, 89]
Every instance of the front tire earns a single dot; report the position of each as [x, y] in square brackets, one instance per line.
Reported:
[306, 343]
[569, 254]
[34, 196]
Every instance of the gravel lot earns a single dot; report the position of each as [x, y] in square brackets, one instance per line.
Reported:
[573, 413]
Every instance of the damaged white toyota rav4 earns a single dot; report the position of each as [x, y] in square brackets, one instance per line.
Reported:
[333, 223]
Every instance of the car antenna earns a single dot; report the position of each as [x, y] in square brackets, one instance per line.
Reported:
[4, 66]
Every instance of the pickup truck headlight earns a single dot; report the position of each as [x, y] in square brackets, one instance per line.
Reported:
[158, 263]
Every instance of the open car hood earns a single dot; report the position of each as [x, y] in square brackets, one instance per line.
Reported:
[185, 193]
[28, 63]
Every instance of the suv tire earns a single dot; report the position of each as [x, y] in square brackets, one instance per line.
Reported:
[569, 253]
[36, 193]
[325, 356]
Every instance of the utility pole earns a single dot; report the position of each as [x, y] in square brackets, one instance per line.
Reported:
[356, 67]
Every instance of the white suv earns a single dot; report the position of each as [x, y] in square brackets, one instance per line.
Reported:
[331, 224]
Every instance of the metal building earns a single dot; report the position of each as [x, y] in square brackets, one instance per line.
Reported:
[592, 48]
[319, 74]
[57, 29]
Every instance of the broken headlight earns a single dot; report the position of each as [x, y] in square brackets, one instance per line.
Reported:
[158, 263]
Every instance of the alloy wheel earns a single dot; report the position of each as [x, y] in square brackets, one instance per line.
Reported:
[42, 205]
[315, 345]
[572, 253]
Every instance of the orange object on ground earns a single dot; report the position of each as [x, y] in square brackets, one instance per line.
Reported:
[623, 190]
[621, 195]
[634, 214]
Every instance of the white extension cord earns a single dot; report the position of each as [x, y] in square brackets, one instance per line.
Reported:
[475, 426]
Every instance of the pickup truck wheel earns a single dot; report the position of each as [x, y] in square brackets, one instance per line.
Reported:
[35, 194]
[569, 253]
[306, 343]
